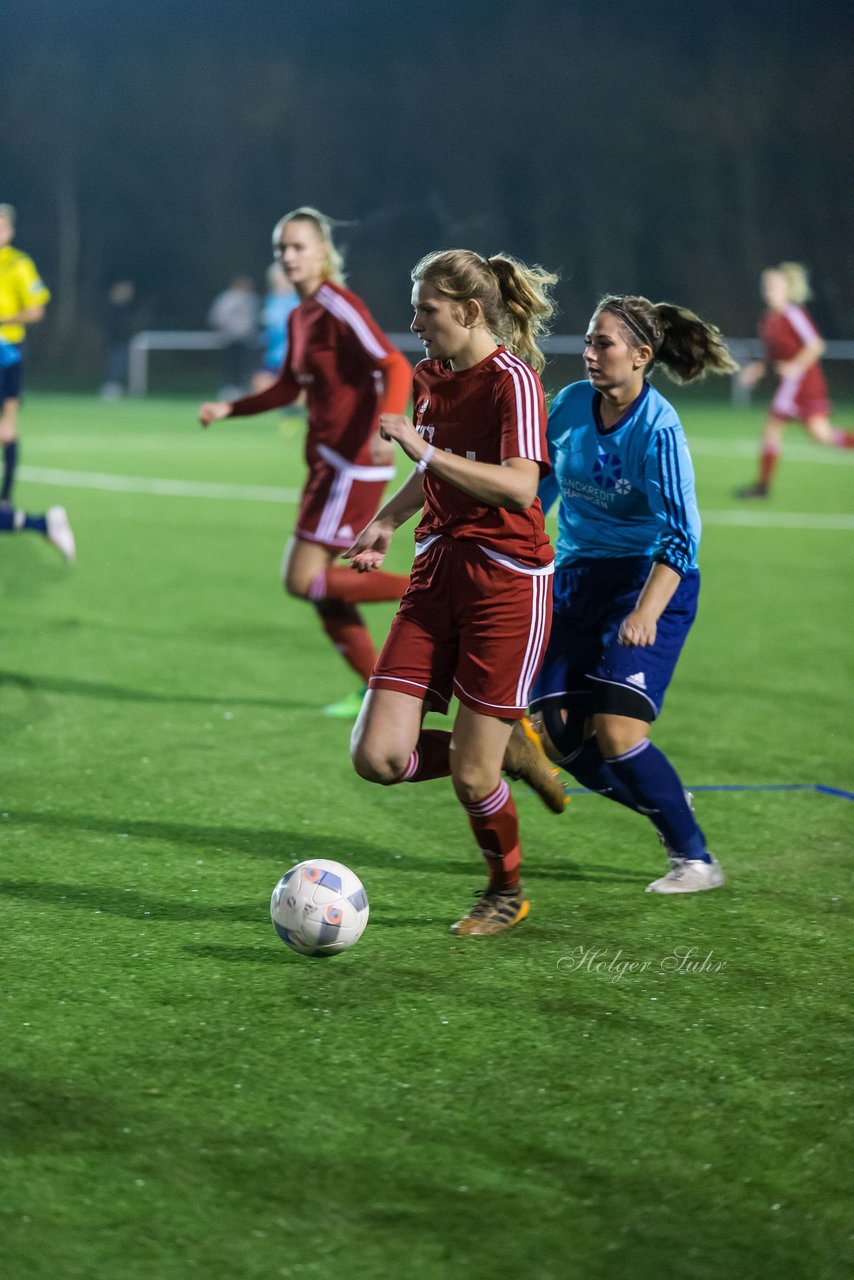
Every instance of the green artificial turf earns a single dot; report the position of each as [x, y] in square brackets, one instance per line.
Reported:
[624, 1086]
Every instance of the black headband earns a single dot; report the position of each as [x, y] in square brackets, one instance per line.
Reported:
[631, 323]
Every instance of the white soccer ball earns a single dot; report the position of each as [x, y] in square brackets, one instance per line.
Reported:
[319, 907]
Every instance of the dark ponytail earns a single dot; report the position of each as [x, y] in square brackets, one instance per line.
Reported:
[685, 345]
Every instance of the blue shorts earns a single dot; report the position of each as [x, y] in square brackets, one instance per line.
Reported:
[11, 365]
[584, 659]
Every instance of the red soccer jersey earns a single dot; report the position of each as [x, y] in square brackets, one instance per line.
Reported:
[494, 411]
[785, 334]
[336, 354]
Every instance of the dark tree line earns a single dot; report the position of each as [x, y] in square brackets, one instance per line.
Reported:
[676, 160]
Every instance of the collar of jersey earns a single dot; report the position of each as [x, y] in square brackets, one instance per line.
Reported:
[445, 368]
[621, 422]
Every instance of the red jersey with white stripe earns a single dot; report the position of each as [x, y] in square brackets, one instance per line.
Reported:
[785, 334]
[339, 357]
[491, 412]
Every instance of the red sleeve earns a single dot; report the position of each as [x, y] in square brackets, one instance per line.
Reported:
[349, 309]
[521, 407]
[283, 391]
[397, 382]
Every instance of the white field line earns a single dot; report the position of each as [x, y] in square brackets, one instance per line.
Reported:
[712, 447]
[741, 517]
[754, 519]
[708, 446]
[158, 487]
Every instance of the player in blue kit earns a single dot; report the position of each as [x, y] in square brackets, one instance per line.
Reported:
[626, 580]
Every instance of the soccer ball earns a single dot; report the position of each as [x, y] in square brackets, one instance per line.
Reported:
[319, 908]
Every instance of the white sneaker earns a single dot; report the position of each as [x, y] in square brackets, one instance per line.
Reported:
[59, 533]
[689, 875]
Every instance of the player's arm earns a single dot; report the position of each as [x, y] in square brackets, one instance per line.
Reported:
[809, 354]
[511, 484]
[812, 348]
[669, 476]
[26, 315]
[369, 549]
[396, 374]
[754, 371]
[282, 392]
[32, 295]
[640, 626]
[548, 490]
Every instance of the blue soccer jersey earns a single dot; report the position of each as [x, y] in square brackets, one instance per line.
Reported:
[627, 490]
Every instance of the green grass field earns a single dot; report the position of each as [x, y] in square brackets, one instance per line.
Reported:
[182, 1096]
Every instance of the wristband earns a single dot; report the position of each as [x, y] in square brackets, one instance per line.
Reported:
[424, 461]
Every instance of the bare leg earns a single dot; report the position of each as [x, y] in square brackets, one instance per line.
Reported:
[822, 429]
[306, 562]
[385, 735]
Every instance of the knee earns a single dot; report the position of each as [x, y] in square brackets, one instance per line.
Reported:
[375, 764]
[473, 782]
[295, 586]
[615, 735]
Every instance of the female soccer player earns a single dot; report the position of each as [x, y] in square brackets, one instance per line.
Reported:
[23, 298]
[626, 582]
[475, 618]
[337, 355]
[793, 348]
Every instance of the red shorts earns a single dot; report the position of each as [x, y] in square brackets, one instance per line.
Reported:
[802, 397]
[339, 499]
[468, 624]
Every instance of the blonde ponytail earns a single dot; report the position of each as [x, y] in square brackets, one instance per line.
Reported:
[514, 298]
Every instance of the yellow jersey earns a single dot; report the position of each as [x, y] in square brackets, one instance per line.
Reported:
[20, 287]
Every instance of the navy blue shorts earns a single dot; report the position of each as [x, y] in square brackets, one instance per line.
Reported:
[584, 659]
[11, 365]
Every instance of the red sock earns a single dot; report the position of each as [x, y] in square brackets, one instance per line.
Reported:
[345, 628]
[768, 464]
[358, 588]
[495, 824]
[845, 439]
[431, 757]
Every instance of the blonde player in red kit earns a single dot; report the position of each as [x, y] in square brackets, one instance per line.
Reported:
[475, 618]
[793, 348]
[337, 355]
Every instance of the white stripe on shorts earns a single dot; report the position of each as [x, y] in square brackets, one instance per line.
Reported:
[536, 640]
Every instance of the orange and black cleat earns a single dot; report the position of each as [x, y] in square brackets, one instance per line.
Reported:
[494, 911]
[525, 759]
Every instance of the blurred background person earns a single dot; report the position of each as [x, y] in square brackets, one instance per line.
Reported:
[23, 298]
[280, 301]
[235, 314]
[117, 323]
[350, 373]
[53, 525]
[793, 350]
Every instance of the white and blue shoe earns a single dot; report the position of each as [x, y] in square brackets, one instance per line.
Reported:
[689, 875]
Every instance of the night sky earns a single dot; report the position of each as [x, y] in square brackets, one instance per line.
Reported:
[672, 149]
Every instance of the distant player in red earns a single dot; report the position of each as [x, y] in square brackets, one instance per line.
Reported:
[475, 618]
[793, 349]
[350, 373]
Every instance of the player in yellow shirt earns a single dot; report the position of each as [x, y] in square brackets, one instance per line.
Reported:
[23, 297]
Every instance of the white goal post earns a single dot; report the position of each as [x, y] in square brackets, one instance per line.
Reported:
[566, 344]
